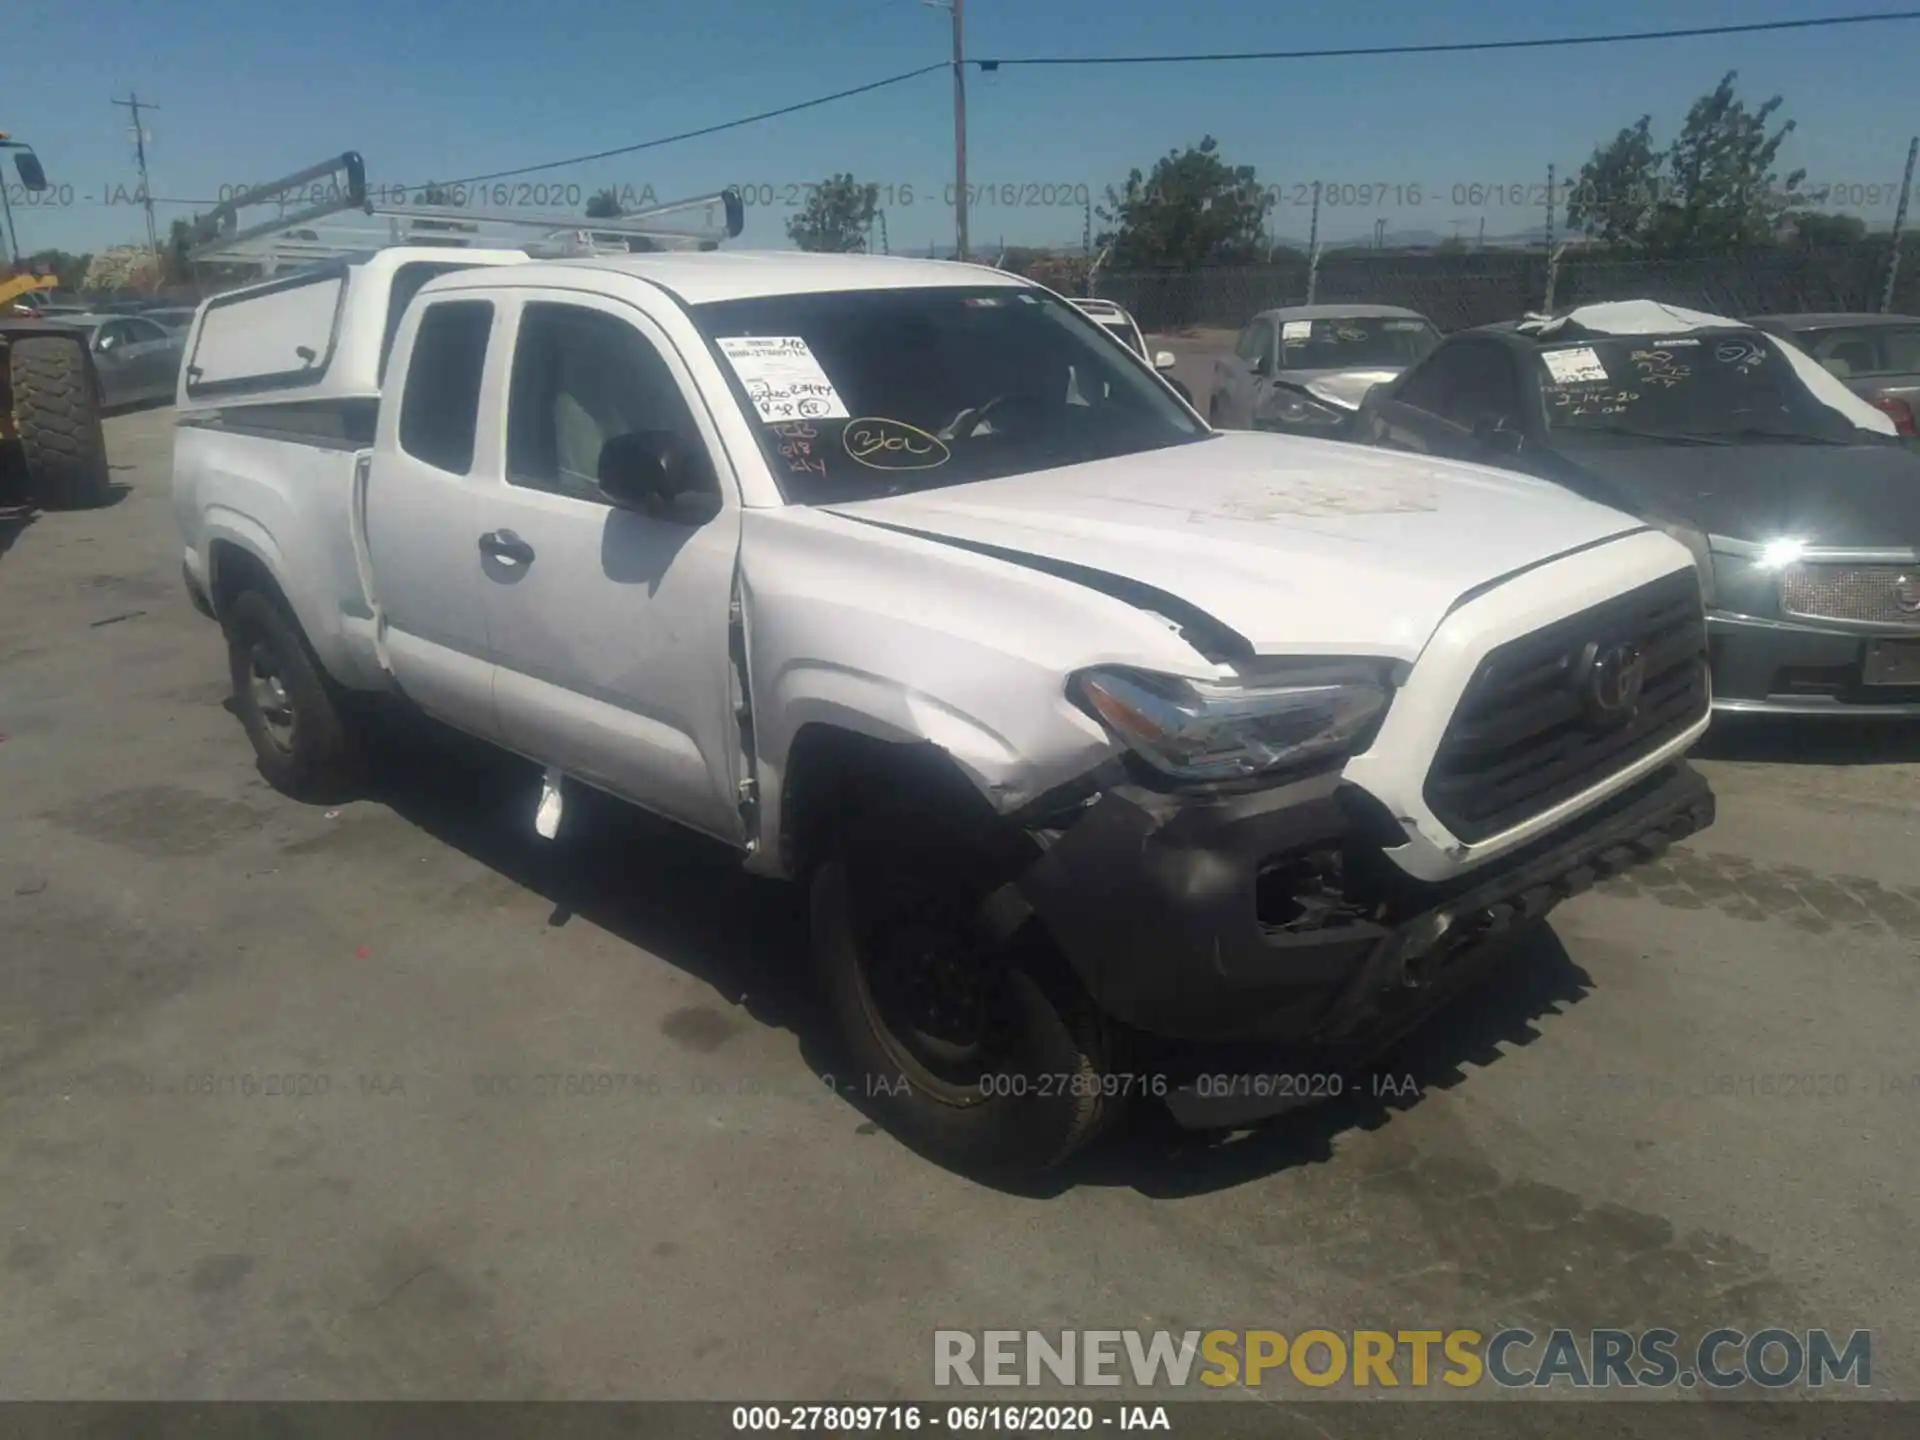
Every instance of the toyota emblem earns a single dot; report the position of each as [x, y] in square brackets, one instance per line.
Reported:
[1906, 595]
[1612, 681]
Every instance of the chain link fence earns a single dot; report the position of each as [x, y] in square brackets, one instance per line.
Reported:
[1460, 291]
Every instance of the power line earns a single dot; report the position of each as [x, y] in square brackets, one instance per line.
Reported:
[1454, 47]
[871, 85]
[1344, 52]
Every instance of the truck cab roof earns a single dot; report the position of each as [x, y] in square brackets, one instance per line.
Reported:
[702, 276]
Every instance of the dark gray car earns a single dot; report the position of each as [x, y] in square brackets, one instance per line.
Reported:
[1876, 356]
[1801, 507]
[1306, 368]
[138, 360]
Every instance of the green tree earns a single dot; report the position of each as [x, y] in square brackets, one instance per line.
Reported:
[69, 269]
[604, 205]
[836, 217]
[1618, 190]
[1192, 209]
[1815, 230]
[1716, 187]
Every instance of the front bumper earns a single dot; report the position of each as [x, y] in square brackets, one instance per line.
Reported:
[1798, 667]
[1272, 921]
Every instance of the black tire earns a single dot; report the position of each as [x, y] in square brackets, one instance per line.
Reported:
[303, 737]
[1036, 1093]
[57, 410]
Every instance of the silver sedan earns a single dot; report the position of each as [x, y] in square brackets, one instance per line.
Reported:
[137, 360]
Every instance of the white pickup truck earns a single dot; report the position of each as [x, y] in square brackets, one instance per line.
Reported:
[1121, 757]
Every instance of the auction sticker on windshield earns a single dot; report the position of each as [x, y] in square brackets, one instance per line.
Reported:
[1571, 366]
[782, 378]
[1296, 329]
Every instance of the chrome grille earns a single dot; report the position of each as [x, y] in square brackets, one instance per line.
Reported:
[1519, 742]
[1870, 594]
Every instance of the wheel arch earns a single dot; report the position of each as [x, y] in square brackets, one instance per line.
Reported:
[831, 771]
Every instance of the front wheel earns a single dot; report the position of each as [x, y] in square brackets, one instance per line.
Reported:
[293, 713]
[968, 1051]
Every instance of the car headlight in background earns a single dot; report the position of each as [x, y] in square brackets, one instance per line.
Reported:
[1747, 573]
[1223, 730]
[1702, 551]
[1287, 407]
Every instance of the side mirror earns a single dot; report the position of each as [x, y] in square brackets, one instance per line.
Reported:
[31, 175]
[102, 344]
[1263, 366]
[658, 473]
[1497, 436]
[1165, 359]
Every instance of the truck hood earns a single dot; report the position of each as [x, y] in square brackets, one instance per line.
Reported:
[1298, 546]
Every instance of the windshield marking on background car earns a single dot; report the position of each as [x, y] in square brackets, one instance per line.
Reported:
[883, 444]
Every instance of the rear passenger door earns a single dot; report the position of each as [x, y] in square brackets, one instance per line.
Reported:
[422, 534]
[610, 626]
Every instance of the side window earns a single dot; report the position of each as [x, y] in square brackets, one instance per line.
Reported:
[1466, 383]
[581, 377]
[441, 404]
[112, 335]
[139, 332]
[1844, 352]
[1430, 386]
[1490, 387]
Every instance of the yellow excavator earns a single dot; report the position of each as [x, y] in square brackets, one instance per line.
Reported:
[50, 436]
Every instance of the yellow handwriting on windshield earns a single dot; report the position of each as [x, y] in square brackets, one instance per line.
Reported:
[883, 444]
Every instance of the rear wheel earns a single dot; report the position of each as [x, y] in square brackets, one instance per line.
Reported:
[295, 716]
[57, 410]
[972, 1048]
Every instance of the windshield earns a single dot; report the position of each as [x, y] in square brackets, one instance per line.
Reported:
[1366, 342]
[1728, 385]
[859, 394]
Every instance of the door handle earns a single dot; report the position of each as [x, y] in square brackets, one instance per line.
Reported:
[505, 545]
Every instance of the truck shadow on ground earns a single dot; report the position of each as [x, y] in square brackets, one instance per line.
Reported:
[1796, 740]
[684, 899]
[14, 519]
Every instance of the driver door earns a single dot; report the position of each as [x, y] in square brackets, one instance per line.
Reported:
[1243, 379]
[610, 627]
[113, 361]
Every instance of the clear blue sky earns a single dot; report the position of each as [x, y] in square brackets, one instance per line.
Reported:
[439, 89]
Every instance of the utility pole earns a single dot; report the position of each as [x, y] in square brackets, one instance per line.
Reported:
[959, 123]
[1550, 184]
[132, 102]
[1899, 223]
[959, 132]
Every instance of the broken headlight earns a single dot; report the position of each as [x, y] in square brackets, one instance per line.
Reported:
[1289, 407]
[1224, 730]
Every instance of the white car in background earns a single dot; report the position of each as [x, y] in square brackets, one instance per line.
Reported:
[1117, 321]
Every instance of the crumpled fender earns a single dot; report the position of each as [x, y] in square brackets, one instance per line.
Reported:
[909, 640]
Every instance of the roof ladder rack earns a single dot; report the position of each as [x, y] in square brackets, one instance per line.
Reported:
[340, 219]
